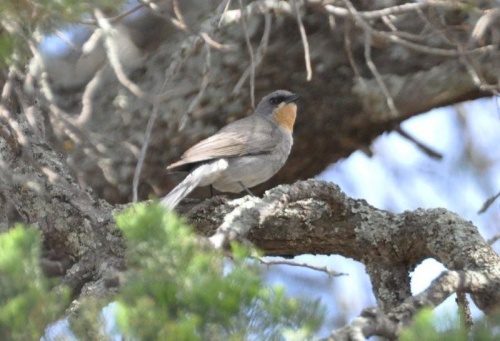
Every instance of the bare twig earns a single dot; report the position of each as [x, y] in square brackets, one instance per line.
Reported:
[427, 150]
[75, 133]
[6, 114]
[66, 40]
[147, 135]
[488, 203]
[181, 23]
[252, 57]
[259, 54]
[324, 269]
[440, 31]
[415, 37]
[216, 45]
[493, 239]
[305, 43]
[371, 65]
[360, 20]
[92, 42]
[478, 80]
[466, 59]
[255, 7]
[226, 7]
[203, 87]
[87, 98]
[399, 9]
[487, 21]
[114, 59]
[116, 18]
[348, 49]
[144, 148]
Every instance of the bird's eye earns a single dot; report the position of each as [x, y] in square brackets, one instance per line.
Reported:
[276, 100]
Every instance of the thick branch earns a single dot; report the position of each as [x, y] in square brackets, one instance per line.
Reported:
[316, 217]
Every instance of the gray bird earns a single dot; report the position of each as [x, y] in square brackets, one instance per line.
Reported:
[243, 154]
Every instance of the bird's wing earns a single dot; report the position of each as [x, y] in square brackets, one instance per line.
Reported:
[249, 136]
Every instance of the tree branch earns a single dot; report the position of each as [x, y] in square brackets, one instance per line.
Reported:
[315, 217]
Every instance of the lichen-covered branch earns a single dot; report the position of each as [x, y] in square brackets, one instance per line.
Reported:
[80, 241]
[315, 217]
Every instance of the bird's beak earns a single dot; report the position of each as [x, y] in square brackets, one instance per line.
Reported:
[292, 98]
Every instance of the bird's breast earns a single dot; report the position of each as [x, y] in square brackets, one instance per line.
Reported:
[285, 116]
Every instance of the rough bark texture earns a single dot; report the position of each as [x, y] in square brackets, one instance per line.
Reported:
[315, 217]
[70, 146]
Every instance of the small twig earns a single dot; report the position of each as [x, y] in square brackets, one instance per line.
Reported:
[254, 8]
[486, 21]
[75, 133]
[180, 18]
[399, 9]
[360, 20]
[6, 114]
[324, 269]
[116, 18]
[439, 31]
[305, 43]
[427, 150]
[259, 54]
[92, 42]
[464, 58]
[87, 98]
[147, 135]
[478, 80]
[493, 239]
[250, 51]
[488, 203]
[66, 40]
[203, 87]
[114, 59]
[348, 49]
[216, 45]
[144, 148]
[371, 65]
[226, 7]
[416, 37]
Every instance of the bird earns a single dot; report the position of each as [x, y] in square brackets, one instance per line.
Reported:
[243, 154]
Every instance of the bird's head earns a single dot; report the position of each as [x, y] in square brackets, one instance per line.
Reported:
[280, 106]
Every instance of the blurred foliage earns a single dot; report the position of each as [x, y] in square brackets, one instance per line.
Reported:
[22, 21]
[426, 326]
[178, 287]
[27, 300]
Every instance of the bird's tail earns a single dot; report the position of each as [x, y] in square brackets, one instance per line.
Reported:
[203, 175]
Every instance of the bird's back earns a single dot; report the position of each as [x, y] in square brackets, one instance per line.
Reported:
[251, 135]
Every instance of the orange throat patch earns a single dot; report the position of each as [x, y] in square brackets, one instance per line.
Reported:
[285, 115]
